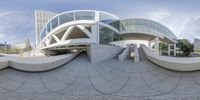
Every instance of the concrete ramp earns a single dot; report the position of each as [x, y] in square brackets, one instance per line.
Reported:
[125, 54]
[35, 64]
[172, 63]
[102, 52]
[131, 52]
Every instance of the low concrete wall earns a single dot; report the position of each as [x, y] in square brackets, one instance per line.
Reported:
[137, 57]
[36, 63]
[125, 54]
[49, 52]
[3, 64]
[173, 63]
[88, 51]
[103, 52]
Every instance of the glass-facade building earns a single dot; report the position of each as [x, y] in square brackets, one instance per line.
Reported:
[106, 34]
[108, 27]
[41, 18]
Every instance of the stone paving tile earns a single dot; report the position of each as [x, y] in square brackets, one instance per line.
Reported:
[10, 85]
[106, 80]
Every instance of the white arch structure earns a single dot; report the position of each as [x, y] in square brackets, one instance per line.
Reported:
[46, 42]
[87, 27]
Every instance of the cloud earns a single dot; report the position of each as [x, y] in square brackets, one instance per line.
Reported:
[158, 14]
[12, 37]
[16, 26]
[197, 17]
[6, 13]
[2, 36]
[19, 25]
[191, 29]
[182, 24]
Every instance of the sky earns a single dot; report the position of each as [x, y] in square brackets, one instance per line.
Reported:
[182, 17]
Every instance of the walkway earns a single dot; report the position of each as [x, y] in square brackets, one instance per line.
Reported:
[106, 80]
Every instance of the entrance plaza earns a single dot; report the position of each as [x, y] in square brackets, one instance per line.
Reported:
[105, 80]
[85, 61]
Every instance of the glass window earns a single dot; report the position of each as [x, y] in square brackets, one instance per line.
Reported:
[129, 25]
[43, 34]
[107, 21]
[48, 27]
[66, 17]
[104, 16]
[107, 35]
[116, 37]
[85, 15]
[115, 24]
[54, 23]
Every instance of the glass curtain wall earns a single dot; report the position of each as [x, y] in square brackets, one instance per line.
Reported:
[67, 17]
[107, 35]
[85, 15]
[145, 26]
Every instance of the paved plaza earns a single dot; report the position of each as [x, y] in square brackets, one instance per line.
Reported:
[106, 80]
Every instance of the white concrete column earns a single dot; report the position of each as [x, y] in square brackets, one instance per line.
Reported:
[149, 44]
[136, 59]
[97, 33]
[169, 49]
[94, 35]
[174, 49]
[156, 48]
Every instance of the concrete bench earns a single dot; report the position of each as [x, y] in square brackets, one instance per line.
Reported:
[36, 63]
[173, 63]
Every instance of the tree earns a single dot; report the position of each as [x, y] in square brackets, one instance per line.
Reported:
[163, 48]
[185, 46]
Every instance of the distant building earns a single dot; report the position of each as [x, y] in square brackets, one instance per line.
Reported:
[22, 45]
[41, 18]
[196, 44]
[5, 45]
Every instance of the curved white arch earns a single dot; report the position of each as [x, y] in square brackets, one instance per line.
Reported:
[82, 10]
[71, 42]
[66, 33]
[58, 35]
[95, 11]
[61, 27]
[68, 27]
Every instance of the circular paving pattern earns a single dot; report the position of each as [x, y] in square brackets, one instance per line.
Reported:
[106, 80]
